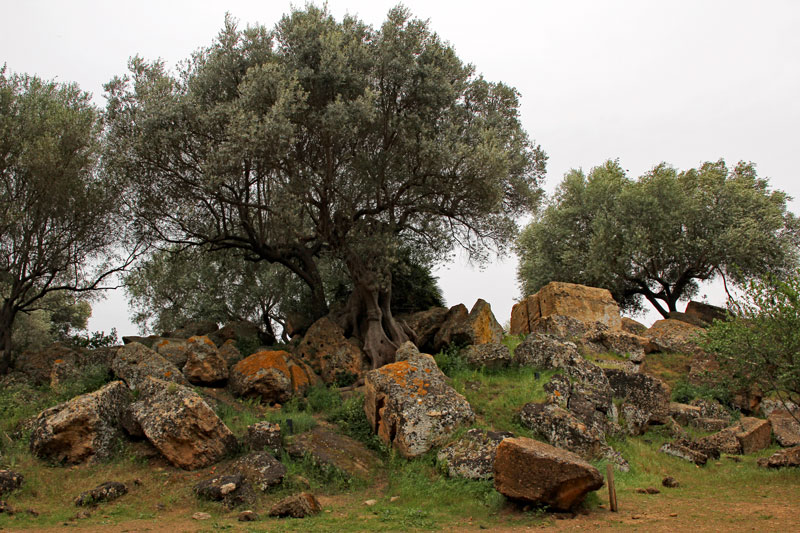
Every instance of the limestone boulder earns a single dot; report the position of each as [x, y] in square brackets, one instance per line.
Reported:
[785, 427]
[645, 399]
[705, 313]
[134, 363]
[585, 304]
[326, 350]
[332, 450]
[535, 472]
[10, 481]
[724, 441]
[265, 436]
[711, 409]
[492, 356]
[84, 428]
[173, 350]
[425, 325]
[148, 341]
[560, 428]
[230, 353]
[460, 328]
[633, 326]
[787, 458]
[230, 489]
[681, 451]
[411, 407]
[105, 492]
[670, 335]
[260, 469]
[181, 425]
[684, 413]
[297, 506]
[38, 364]
[241, 331]
[472, 456]
[768, 406]
[589, 403]
[754, 434]
[273, 376]
[204, 364]
[709, 424]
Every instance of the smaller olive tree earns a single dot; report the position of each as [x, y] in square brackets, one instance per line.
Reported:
[760, 343]
[61, 228]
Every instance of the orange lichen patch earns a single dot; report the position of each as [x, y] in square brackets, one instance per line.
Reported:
[202, 338]
[299, 378]
[428, 370]
[58, 361]
[168, 373]
[163, 343]
[397, 371]
[263, 360]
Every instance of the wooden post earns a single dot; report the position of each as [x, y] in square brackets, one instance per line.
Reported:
[612, 491]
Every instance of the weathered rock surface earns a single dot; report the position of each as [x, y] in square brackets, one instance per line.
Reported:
[425, 324]
[472, 456]
[538, 473]
[711, 409]
[768, 406]
[411, 407]
[83, 428]
[204, 364]
[325, 348]
[724, 441]
[684, 452]
[264, 436]
[645, 398]
[585, 304]
[491, 355]
[273, 376]
[106, 492]
[177, 421]
[148, 341]
[684, 413]
[755, 434]
[560, 428]
[237, 331]
[332, 450]
[297, 506]
[173, 350]
[705, 313]
[710, 424]
[789, 457]
[10, 481]
[670, 335]
[135, 362]
[230, 353]
[785, 428]
[260, 469]
[460, 328]
[38, 364]
[632, 326]
[230, 489]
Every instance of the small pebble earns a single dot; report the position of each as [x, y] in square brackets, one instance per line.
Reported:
[370, 503]
[201, 516]
[247, 516]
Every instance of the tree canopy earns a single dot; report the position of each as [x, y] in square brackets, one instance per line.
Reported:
[659, 236]
[322, 136]
[60, 228]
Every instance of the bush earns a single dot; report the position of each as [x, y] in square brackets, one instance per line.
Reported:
[760, 344]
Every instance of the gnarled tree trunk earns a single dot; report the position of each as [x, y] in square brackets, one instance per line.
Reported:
[7, 315]
[368, 314]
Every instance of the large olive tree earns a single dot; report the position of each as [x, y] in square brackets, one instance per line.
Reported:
[658, 236]
[327, 136]
[60, 224]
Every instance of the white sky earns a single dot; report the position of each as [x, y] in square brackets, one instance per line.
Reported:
[643, 81]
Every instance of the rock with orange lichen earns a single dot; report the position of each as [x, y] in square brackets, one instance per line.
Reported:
[230, 352]
[204, 364]
[85, 428]
[135, 362]
[273, 376]
[410, 405]
[173, 350]
[181, 425]
[325, 348]
[479, 326]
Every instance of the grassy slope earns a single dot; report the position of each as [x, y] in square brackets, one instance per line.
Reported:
[424, 498]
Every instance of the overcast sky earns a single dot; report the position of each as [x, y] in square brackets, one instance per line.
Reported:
[643, 81]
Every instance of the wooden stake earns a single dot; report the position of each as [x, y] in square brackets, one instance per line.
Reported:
[612, 491]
